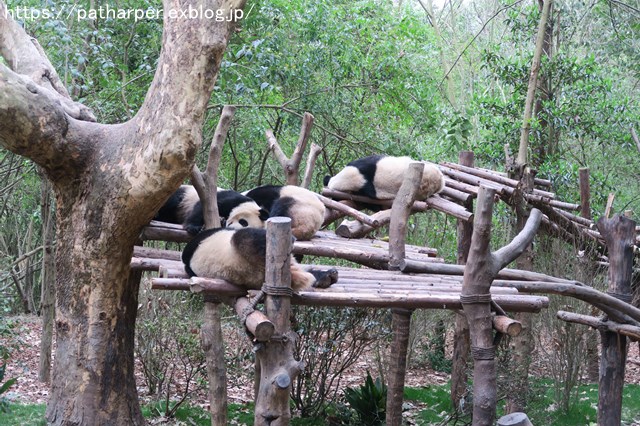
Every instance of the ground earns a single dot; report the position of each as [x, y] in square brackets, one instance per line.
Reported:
[23, 364]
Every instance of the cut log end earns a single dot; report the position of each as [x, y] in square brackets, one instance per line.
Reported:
[514, 419]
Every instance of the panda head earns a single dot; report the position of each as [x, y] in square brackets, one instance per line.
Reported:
[247, 215]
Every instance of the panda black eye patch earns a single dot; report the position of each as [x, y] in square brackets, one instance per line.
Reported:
[243, 222]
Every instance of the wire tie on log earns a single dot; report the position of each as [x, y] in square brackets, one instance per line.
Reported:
[628, 298]
[475, 298]
[483, 354]
[277, 290]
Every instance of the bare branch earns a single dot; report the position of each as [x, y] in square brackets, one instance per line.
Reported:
[634, 135]
[314, 151]
[599, 324]
[516, 247]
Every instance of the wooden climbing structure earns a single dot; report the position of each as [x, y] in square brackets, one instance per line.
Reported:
[404, 277]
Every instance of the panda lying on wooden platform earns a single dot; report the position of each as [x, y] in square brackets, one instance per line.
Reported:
[184, 207]
[238, 256]
[380, 177]
[301, 205]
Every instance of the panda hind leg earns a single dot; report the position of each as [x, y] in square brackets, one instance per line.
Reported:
[302, 279]
[323, 279]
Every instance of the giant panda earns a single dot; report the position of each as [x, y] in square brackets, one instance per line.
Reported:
[238, 256]
[236, 210]
[301, 205]
[380, 177]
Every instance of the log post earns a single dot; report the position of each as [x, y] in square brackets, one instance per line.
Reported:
[276, 367]
[401, 318]
[211, 338]
[619, 235]
[585, 273]
[461, 335]
[481, 269]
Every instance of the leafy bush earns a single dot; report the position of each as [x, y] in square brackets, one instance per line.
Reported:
[368, 401]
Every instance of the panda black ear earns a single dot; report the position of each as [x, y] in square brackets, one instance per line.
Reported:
[264, 215]
[326, 180]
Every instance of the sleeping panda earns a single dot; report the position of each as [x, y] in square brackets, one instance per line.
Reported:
[237, 210]
[238, 256]
[380, 177]
[301, 205]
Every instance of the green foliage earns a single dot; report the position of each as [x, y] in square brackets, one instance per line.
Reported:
[6, 332]
[368, 401]
[23, 415]
[4, 384]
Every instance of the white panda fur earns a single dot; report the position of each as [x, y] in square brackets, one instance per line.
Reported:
[380, 177]
[184, 207]
[301, 205]
[238, 256]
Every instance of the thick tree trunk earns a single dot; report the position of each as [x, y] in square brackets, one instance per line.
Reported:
[108, 180]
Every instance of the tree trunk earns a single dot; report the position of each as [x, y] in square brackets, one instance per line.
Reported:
[109, 180]
[48, 295]
[531, 90]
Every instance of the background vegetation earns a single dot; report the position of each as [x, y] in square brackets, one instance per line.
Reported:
[404, 77]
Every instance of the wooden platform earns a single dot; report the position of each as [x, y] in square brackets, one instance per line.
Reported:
[356, 287]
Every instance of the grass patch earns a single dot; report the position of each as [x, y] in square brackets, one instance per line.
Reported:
[542, 409]
[24, 415]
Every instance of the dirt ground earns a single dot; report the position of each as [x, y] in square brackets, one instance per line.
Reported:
[23, 364]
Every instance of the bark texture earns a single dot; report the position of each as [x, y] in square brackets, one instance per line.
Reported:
[482, 267]
[619, 234]
[401, 318]
[275, 366]
[108, 180]
[461, 345]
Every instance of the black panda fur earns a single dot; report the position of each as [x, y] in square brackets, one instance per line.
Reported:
[238, 256]
[301, 205]
[380, 177]
[236, 210]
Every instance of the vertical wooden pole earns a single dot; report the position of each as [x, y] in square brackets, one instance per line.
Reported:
[211, 338]
[585, 273]
[476, 302]
[461, 344]
[276, 365]
[212, 343]
[401, 318]
[619, 235]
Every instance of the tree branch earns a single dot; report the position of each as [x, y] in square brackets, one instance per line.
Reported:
[25, 56]
[517, 246]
